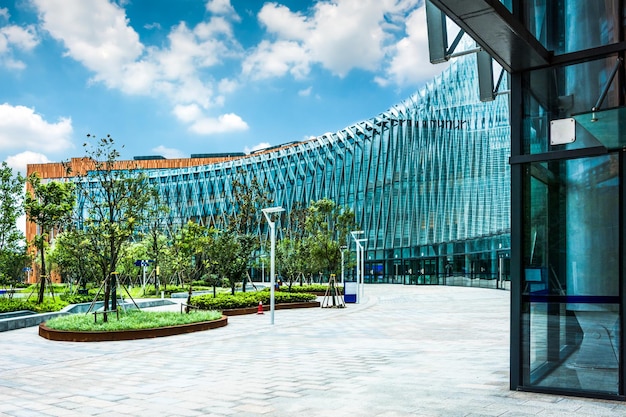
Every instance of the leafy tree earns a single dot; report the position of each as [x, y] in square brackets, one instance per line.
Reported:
[327, 227]
[13, 255]
[112, 202]
[49, 206]
[241, 236]
[72, 258]
[12, 264]
[292, 251]
[11, 188]
[155, 240]
[231, 256]
[291, 258]
[190, 247]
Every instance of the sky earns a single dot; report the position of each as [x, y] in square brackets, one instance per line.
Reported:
[181, 77]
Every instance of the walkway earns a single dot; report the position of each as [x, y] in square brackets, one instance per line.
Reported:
[406, 351]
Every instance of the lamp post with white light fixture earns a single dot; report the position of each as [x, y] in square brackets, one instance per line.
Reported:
[268, 216]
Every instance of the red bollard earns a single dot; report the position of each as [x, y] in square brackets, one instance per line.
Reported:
[260, 309]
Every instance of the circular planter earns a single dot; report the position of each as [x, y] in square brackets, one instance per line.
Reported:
[109, 336]
[283, 306]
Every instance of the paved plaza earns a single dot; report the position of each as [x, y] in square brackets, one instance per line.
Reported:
[404, 351]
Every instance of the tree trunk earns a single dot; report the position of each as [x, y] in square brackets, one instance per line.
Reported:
[107, 292]
[42, 276]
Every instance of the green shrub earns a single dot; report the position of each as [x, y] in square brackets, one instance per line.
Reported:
[81, 298]
[309, 288]
[247, 299]
[17, 304]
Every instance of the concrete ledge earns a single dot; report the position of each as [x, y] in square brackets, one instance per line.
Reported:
[283, 306]
[110, 336]
[27, 321]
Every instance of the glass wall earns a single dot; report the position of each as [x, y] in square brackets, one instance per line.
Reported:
[570, 294]
[571, 208]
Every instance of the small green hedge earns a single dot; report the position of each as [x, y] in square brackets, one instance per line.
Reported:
[17, 304]
[247, 299]
[309, 288]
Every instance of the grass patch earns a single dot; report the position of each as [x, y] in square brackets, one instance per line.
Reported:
[130, 320]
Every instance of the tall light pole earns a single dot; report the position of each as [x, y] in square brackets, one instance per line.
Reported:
[342, 268]
[268, 216]
[358, 262]
[362, 264]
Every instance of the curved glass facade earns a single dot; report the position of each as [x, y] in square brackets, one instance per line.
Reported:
[428, 181]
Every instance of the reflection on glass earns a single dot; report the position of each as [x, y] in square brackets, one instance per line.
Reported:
[575, 25]
[571, 316]
[557, 93]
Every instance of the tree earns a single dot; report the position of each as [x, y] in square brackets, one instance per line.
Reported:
[11, 188]
[190, 248]
[72, 258]
[156, 241]
[112, 202]
[291, 258]
[13, 254]
[241, 237]
[48, 206]
[327, 227]
[231, 255]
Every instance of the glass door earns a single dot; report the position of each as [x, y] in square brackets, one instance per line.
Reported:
[571, 273]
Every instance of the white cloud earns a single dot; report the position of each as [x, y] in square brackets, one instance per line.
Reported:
[4, 12]
[21, 127]
[226, 86]
[169, 153]
[306, 92]
[225, 123]
[261, 145]
[277, 59]
[410, 62]
[188, 113]
[18, 162]
[153, 25]
[339, 35]
[279, 20]
[98, 35]
[95, 33]
[222, 7]
[15, 38]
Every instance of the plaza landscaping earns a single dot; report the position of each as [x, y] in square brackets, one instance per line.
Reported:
[204, 312]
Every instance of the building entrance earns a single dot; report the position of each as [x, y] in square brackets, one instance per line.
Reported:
[427, 272]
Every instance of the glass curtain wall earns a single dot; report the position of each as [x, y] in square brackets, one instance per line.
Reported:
[571, 206]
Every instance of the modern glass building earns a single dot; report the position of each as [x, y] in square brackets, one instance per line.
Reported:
[568, 114]
[428, 180]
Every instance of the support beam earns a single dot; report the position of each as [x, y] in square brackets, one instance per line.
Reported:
[496, 30]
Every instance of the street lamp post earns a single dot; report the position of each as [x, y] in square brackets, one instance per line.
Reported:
[268, 216]
[362, 264]
[342, 268]
[358, 263]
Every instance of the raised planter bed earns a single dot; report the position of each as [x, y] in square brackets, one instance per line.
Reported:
[109, 336]
[284, 306]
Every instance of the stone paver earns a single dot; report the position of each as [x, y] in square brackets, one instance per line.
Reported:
[405, 351]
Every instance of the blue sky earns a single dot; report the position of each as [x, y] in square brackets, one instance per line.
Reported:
[173, 78]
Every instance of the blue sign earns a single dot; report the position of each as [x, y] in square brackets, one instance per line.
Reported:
[27, 269]
[143, 262]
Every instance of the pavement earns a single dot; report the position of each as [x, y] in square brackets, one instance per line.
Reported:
[403, 351]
